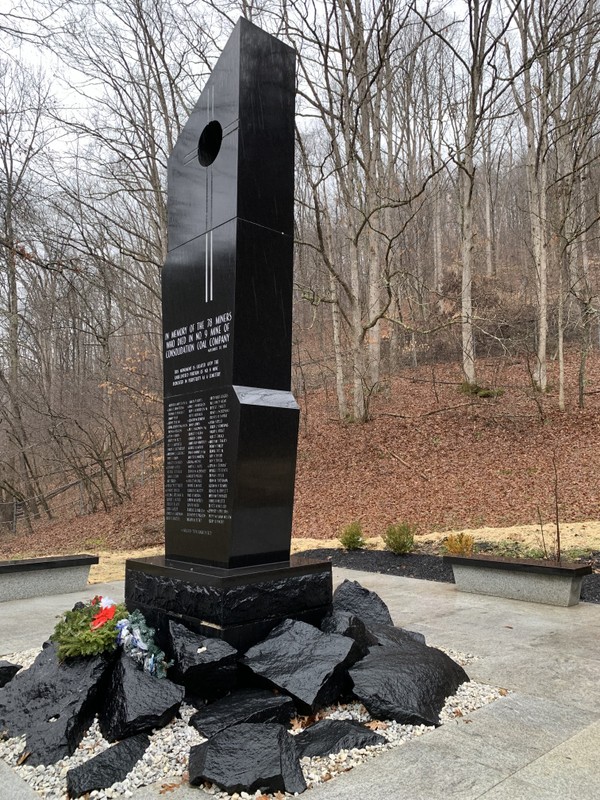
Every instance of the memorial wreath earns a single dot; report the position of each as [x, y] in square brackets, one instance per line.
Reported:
[103, 625]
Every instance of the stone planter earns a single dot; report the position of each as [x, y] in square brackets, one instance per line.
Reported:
[35, 577]
[533, 580]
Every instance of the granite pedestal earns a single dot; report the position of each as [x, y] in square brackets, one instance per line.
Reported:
[240, 606]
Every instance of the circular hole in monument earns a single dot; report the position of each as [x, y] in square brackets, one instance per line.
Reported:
[209, 143]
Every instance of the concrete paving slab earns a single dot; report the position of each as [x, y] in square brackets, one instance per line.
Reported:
[469, 758]
[564, 676]
[512, 732]
[571, 768]
[515, 789]
[419, 770]
[12, 787]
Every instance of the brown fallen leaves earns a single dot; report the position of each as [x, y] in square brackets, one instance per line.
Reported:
[487, 463]
[376, 725]
[300, 723]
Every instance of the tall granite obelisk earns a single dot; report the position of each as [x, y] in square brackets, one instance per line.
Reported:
[231, 422]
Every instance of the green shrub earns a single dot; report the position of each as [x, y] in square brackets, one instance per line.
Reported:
[400, 538]
[352, 537]
[486, 393]
[512, 549]
[476, 390]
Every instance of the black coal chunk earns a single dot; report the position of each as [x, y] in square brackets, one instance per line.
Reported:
[206, 667]
[345, 623]
[407, 683]
[305, 663]
[246, 705]
[108, 767]
[332, 735]
[52, 703]
[7, 672]
[136, 701]
[247, 758]
[367, 605]
[387, 635]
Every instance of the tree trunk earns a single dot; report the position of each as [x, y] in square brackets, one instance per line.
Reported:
[561, 352]
[340, 382]
[490, 232]
[468, 340]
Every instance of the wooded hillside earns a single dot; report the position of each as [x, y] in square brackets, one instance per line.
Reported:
[431, 456]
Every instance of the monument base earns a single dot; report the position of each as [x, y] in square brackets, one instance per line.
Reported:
[239, 606]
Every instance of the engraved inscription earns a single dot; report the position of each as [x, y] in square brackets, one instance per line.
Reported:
[196, 470]
[175, 449]
[209, 340]
[198, 372]
[210, 335]
[196, 460]
[218, 473]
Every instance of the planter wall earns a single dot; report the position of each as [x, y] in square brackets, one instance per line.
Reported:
[519, 579]
[35, 577]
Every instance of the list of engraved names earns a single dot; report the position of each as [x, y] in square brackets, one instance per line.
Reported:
[196, 470]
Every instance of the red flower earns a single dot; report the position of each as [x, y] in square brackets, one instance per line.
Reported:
[97, 600]
[102, 617]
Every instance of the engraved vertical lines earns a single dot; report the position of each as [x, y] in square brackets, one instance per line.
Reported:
[211, 265]
[208, 267]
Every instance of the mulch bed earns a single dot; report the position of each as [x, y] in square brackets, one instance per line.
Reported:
[429, 567]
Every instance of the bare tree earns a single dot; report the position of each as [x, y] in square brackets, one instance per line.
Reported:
[25, 136]
[477, 58]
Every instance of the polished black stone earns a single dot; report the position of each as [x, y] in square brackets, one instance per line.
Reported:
[250, 93]
[108, 767]
[240, 606]
[136, 702]
[229, 480]
[53, 703]
[332, 735]
[406, 681]
[47, 562]
[7, 672]
[231, 422]
[247, 705]
[302, 661]
[247, 758]
[243, 336]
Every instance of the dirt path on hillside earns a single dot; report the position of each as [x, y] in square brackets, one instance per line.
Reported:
[575, 536]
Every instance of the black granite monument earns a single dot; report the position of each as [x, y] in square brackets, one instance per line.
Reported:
[231, 422]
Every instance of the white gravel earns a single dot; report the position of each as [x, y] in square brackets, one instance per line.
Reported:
[166, 758]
